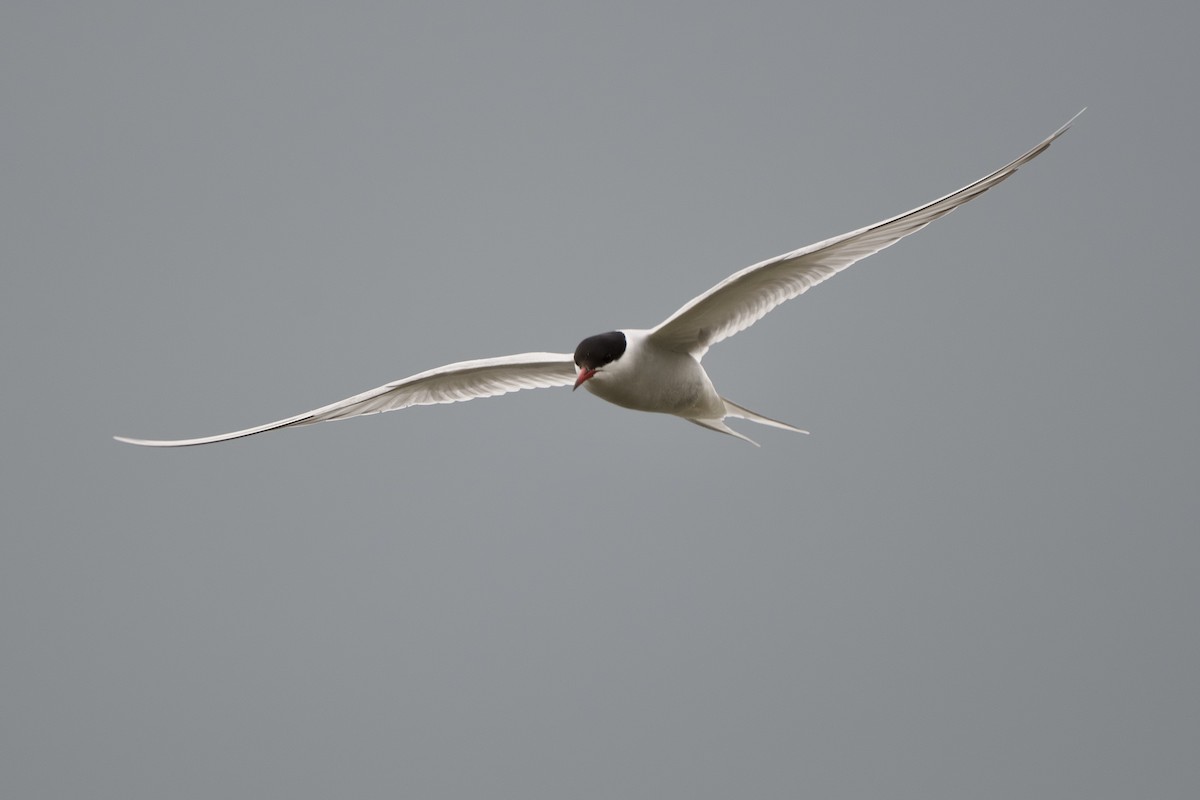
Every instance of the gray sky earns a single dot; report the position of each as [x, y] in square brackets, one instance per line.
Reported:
[977, 578]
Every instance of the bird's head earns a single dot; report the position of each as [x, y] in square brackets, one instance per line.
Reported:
[596, 352]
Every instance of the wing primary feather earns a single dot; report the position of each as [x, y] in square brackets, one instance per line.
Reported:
[747, 296]
[453, 383]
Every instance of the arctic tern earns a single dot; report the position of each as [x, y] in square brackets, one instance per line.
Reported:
[656, 369]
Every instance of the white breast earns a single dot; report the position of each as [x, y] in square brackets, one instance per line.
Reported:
[650, 378]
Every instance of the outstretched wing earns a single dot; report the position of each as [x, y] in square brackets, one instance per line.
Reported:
[745, 297]
[453, 383]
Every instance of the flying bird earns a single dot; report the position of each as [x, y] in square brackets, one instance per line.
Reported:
[655, 369]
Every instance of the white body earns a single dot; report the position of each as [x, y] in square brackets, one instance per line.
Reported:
[649, 377]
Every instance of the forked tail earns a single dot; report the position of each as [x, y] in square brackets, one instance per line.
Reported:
[734, 410]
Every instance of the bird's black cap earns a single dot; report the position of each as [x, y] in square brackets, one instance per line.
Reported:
[603, 348]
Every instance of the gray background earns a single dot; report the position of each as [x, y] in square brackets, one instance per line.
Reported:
[977, 578]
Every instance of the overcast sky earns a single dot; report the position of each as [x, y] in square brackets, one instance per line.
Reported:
[976, 578]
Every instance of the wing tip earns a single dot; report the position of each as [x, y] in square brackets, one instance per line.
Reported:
[150, 442]
[1066, 125]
